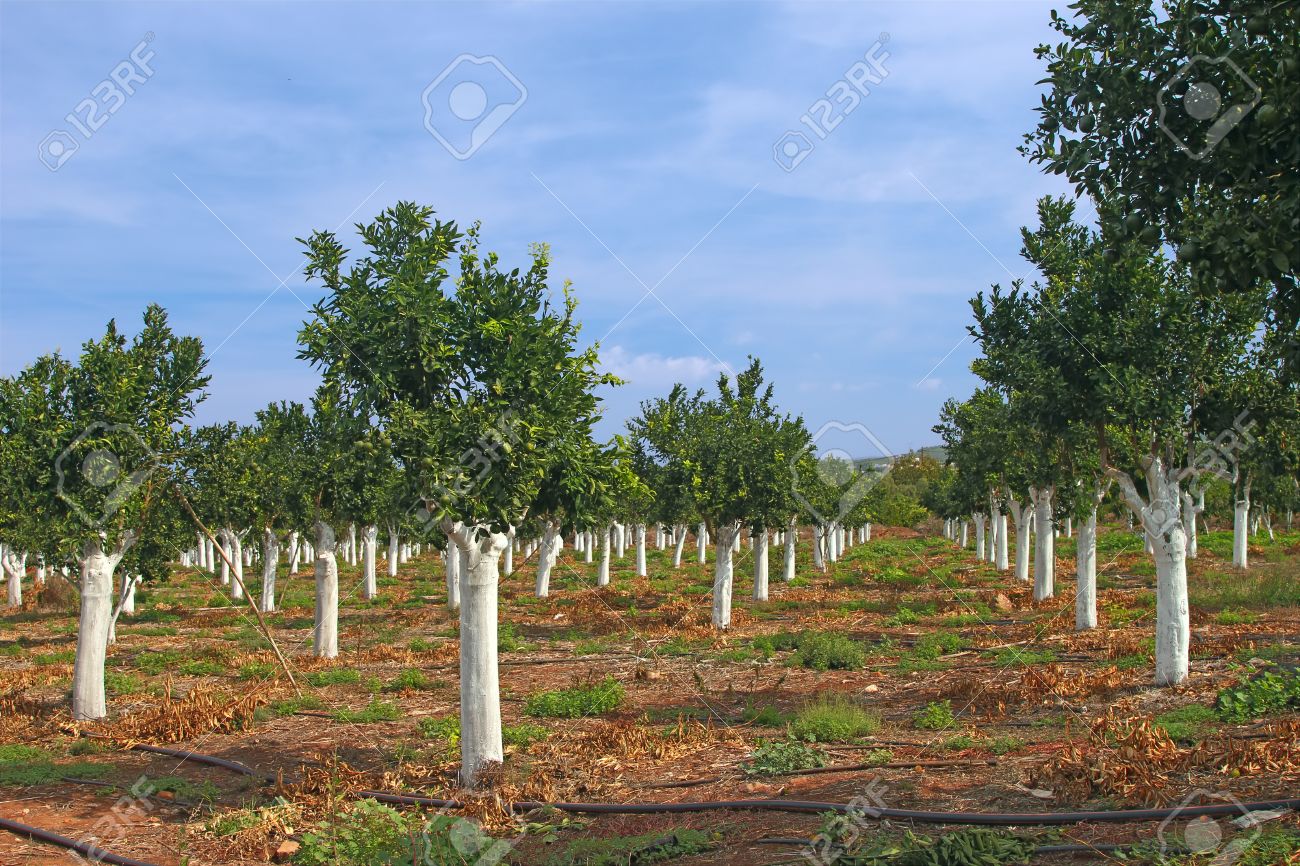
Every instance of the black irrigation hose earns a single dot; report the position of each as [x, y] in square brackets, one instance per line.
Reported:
[210, 760]
[86, 849]
[1075, 848]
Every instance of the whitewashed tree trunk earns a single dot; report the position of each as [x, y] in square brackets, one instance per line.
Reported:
[979, 519]
[640, 550]
[42, 566]
[1191, 508]
[235, 549]
[680, 545]
[393, 547]
[127, 601]
[1085, 574]
[620, 538]
[326, 638]
[866, 533]
[546, 557]
[1000, 540]
[1023, 515]
[511, 543]
[723, 576]
[965, 534]
[93, 626]
[1163, 523]
[295, 552]
[451, 572]
[760, 565]
[369, 543]
[270, 559]
[995, 512]
[701, 544]
[224, 538]
[791, 536]
[602, 575]
[13, 570]
[1240, 514]
[1069, 526]
[1044, 544]
[352, 544]
[588, 546]
[818, 540]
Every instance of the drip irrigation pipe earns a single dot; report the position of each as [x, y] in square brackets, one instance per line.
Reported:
[210, 760]
[1074, 848]
[93, 852]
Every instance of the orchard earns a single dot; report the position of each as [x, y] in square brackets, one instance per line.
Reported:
[437, 613]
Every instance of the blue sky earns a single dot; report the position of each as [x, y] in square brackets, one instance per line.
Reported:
[640, 147]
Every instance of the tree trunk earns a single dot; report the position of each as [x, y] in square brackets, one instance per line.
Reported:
[1240, 516]
[326, 639]
[15, 576]
[93, 625]
[224, 538]
[511, 543]
[701, 544]
[1085, 575]
[270, 559]
[127, 602]
[819, 534]
[722, 575]
[369, 541]
[602, 576]
[791, 536]
[965, 534]
[546, 557]
[680, 532]
[640, 550]
[480, 689]
[1000, 540]
[995, 512]
[1191, 508]
[760, 565]
[393, 548]
[236, 549]
[979, 519]
[451, 572]
[1022, 514]
[620, 538]
[1044, 544]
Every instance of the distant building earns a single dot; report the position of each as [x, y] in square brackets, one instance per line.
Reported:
[879, 464]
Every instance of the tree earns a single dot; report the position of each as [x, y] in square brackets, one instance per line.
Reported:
[1185, 119]
[480, 385]
[93, 447]
[281, 500]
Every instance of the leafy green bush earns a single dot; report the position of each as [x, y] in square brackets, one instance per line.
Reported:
[782, 756]
[822, 651]
[334, 677]
[934, 717]
[1269, 691]
[523, 734]
[410, 680]
[938, 643]
[257, 671]
[576, 702]
[833, 719]
[368, 833]
[440, 728]
[375, 711]
[903, 616]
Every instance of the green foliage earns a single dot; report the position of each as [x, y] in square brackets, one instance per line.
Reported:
[970, 846]
[583, 700]
[508, 638]
[334, 677]
[1005, 744]
[936, 716]
[523, 734]
[257, 670]
[938, 643]
[833, 719]
[411, 679]
[375, 711]
[368, 833]
[184, 789]
[1268, 691]
[201, 668]
[824, 651]
[767, 715]
[23, 766]
[154, 663]
[446, 728]
[1189, 723]
[775, 757]
[903, 616]
[658, 847]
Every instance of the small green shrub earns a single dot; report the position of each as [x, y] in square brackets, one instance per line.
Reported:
[1269, 691]
[1005, 744]
[375, 711]
[576, 702]
[768, 715]
[154, 663]
[201, 668]
[657, 847]
[822, 651]
[934, 717]
[368, 833]
[523, 734]
[938, 643]
[959, 742]
[257, 671]
[833, 719]
[440, 728]
[903, 616]
[334, 677]
[774, 757]
[1189, 723]
[1229, 616]
[410, 680]
[419, 645]
[879, 757]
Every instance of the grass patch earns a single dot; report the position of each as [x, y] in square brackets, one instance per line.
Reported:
[833, 719]
[658, 847]
[783, 756]
[935, 716]
[334, 677]
[375, 711]
[24, 766]
[590, 699]
[823, 651]
[412, 680]
[1188, 724]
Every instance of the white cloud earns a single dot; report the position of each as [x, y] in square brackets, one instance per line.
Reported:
[652, 370]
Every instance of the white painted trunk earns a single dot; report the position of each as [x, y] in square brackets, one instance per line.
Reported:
[760, 565]
[393, 547]
[994, 513]
[92, 631]
[224, 563]
[620, 534]
[866, 533]
[602, 575]
[270, 559]
[1240, 513]
[14, 576]
[295, 552]
[1190, 510]
[1000, 534]
[680, 532]
[235, 549]
[480, 689]
[980, 520]
[787, 565]
[451, 573]
[640, 550]
[369, 543]
[512, 543]
[588, 546]
[1044, 544]
[326, 638]
[546, 557]
[723, 576]
[701, 544]
[1085, 575]
[1069, 526]
[127, 601]
[352, 544]
[965, 534]
[819, 539]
